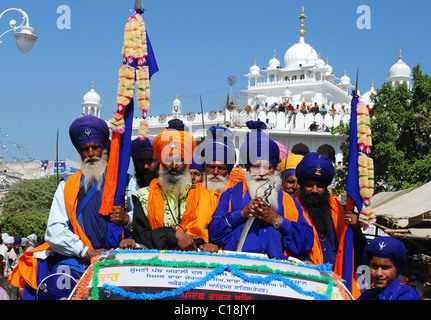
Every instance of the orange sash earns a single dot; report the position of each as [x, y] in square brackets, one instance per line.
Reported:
[26, 270]
[201, 203]
[235, 176]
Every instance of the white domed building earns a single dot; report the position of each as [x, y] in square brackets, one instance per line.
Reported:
[91, 103]
[304, 78]
[400, 73]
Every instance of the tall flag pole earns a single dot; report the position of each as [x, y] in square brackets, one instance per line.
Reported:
[360, 176]
[139, 65]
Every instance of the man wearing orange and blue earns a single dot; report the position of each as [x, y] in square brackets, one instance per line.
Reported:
[76, 232]
[327, 217]
[277, 224]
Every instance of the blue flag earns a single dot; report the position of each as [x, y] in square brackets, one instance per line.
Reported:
[352, 181]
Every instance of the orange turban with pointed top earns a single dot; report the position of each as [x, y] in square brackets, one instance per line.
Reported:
[170, 142]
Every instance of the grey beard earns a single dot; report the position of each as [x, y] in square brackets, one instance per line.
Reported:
[256, 187]
[218, 184]
[94, 171]
[174, 184]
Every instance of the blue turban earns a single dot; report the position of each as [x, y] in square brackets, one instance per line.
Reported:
[258, 146]
[315, 167]
[219, 147]
[141, 145]
[89, 129]
[388, 248]
[196, 165]
[17, 241]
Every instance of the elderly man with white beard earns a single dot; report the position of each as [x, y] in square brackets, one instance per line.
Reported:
[76, 232]
[278, 227]
[172, 213]
[218, 155]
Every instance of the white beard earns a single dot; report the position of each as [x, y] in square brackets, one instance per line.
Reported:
[94, 171]
[174, 184]
[257, 187]
[216, 183]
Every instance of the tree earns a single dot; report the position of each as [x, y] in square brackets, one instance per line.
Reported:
[25, 209]
[401, 132]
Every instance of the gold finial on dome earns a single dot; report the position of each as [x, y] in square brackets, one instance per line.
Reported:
[302, 16]
[274, 53]
[92, 85]
[400, 55]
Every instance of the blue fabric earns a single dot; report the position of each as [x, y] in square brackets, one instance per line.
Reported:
[286, 173]
[151, 59]
[394, 291]
[352, 181]
[139, 145]
[315, 167]
[258, 146]
[98, 229]
[49, 266]
[89, 129]
[219, 147]
[225, 228]
[348, 259]
[388, 248]
[196, 164]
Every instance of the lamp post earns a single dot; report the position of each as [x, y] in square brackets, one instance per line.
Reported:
[25, 39]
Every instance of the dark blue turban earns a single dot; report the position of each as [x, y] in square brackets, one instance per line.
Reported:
[258, 146]
[315, 167]
[388, 248]
[141, 145]
[196, 165]
[89, 129]
[219, 147]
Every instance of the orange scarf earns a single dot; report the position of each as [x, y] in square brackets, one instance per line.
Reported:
[201, 203]
[26, 271]
[316, 254]
[235, 176]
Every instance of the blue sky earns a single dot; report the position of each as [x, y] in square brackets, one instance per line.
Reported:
[198, 44]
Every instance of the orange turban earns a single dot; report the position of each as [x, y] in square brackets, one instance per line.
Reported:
[169, 142]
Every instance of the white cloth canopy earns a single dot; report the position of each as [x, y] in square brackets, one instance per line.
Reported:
[407, 207]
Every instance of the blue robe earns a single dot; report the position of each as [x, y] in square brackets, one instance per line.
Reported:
[226, 226]
[394, 291]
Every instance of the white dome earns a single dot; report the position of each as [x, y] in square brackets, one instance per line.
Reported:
[400, 69]
[366, 97]
[176, 102]
[345, 79]
[254, 69]
[320, 63]
[328, 67]
[300, 53]
[91, 97]
[274, 63]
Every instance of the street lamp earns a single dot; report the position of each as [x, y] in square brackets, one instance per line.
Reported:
[25, 39]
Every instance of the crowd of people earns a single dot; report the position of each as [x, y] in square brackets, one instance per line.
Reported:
[303, 108]
[11, 249]
[188, 197]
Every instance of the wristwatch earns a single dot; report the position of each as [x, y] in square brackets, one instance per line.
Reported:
[278, 223]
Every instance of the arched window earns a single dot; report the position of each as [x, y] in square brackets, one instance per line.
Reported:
[301, 149]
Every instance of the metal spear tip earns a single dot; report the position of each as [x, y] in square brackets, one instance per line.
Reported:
[139, 4]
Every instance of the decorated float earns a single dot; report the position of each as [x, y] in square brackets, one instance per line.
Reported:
[174, 275]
